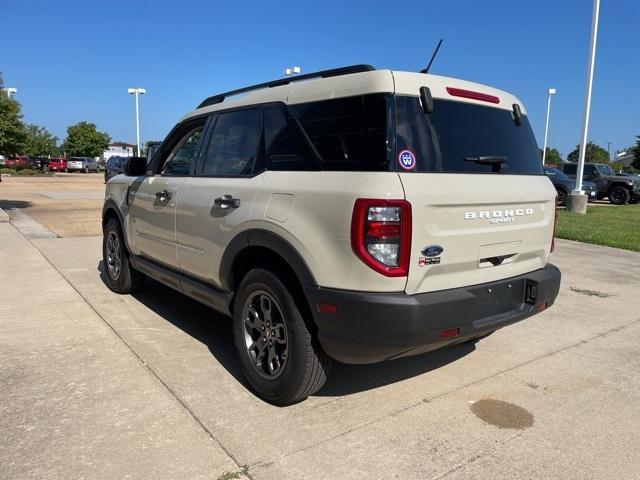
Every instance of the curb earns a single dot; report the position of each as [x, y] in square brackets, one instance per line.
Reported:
[4, 217]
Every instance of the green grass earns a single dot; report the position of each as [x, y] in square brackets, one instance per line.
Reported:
[617, 226]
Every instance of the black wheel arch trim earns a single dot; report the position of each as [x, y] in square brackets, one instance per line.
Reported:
[109, 205]
[263, 238]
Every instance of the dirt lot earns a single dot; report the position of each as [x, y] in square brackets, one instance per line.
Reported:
[69, 205]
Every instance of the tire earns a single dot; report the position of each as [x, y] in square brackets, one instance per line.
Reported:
[120, 275]
[86, 170]
[562, 197]
[299, 367]
[619, 195]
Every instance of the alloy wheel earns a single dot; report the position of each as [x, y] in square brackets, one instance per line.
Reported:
[114, 260]
[265, 334]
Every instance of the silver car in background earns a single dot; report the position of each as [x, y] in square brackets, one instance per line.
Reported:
[82, 164]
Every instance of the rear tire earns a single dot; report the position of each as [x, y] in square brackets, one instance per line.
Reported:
[619, 195]
[279, 354]
[120, 275]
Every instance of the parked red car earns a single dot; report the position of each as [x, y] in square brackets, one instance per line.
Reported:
[22, 162]
[58, 165]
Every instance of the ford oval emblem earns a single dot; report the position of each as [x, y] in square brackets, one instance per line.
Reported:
[432, 251]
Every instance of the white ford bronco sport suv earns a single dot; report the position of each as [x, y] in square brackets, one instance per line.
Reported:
[351, 214]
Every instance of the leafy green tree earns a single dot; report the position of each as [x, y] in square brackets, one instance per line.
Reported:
[594, 154]
[553, 156]
[84, 140]
[40, 142]
[636, 154]
[12, 131]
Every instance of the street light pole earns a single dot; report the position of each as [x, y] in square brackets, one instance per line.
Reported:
[136, 92]
[551, 91]
[577, 200]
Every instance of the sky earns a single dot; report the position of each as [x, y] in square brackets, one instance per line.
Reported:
[74, 60]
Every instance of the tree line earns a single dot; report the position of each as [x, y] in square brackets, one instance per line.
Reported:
[594, 153]
[20, 138]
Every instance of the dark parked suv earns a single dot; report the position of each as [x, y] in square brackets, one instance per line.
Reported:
[113, 167]
[619, 188]
[565, 185]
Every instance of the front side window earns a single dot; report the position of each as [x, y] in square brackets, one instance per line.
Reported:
[183, 154]
[455, 136]
[605, 169]
[234, 144]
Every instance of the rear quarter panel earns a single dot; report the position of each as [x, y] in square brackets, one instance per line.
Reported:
[313, 210]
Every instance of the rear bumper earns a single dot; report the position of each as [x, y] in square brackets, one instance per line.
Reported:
[369, 327]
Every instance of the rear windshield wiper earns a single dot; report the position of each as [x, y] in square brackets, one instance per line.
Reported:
[495, 161]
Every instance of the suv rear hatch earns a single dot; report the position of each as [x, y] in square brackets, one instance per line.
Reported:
[482, 208]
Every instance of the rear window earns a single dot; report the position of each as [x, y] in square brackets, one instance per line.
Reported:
[455, 131]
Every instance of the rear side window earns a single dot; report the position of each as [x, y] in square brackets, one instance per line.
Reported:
[285, 146]
[456, 133]
[233, 147]
[570, 169]
[348, 134]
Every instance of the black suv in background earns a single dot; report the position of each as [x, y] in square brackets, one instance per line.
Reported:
[620, 189]
[565, 185]
[113, 166]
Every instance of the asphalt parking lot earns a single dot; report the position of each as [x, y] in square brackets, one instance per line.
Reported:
[96, 385]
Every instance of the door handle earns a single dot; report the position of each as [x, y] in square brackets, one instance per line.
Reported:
[226, 201]
[163, 195]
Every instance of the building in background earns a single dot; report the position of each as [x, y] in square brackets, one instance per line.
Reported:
[117, 149]
[625, 158]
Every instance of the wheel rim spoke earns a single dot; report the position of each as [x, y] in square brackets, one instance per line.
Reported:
[265, 334]
[113, 254]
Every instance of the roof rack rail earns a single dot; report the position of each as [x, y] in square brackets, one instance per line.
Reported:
[334, 72]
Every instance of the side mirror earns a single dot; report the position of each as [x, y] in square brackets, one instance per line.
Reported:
[135, 166]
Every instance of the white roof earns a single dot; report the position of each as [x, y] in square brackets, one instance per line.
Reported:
[375, 81]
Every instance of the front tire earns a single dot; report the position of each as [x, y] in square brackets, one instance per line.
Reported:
[279, 354]
[561, 196]
[120, 275]
[619, 195]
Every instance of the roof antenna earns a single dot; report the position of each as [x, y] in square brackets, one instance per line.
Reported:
[435, 52]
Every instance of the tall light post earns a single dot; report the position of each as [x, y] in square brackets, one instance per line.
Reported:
[551, 91]
[577, 200]
[136, 92]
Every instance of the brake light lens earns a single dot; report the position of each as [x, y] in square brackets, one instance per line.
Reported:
[381, 235]
[483, 97]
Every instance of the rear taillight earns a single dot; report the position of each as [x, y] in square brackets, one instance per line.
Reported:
[381, 235]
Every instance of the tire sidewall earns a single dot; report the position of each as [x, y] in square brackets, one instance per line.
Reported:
[624, 194]
[297, 335]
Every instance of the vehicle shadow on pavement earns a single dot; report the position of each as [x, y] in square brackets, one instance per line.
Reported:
[14, 204]
[214, 330]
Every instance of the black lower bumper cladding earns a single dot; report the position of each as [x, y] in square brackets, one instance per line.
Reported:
[368, 327]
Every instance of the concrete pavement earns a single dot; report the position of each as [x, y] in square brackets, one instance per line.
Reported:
[76, 401]
[553, 397]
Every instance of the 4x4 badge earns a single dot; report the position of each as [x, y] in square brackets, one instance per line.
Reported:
[432, 250]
